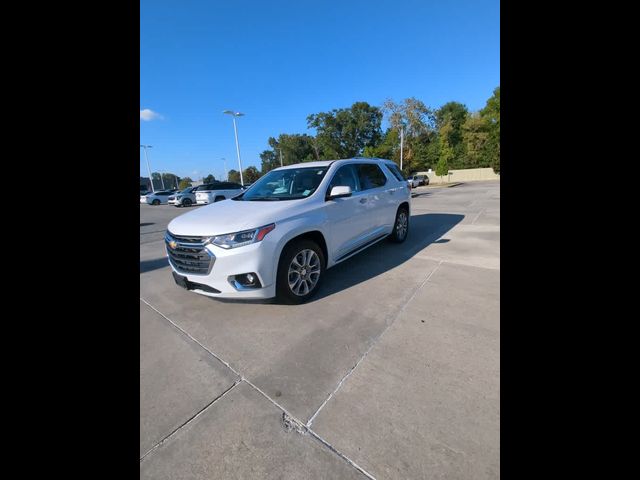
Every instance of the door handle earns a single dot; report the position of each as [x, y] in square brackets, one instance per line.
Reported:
[363, 200]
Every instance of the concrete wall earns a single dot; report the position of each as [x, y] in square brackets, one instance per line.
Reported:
[467, 175]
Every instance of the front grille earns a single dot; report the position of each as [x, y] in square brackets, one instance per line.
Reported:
[189, 255]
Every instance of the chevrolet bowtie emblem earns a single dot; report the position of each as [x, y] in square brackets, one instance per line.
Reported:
[173, 244]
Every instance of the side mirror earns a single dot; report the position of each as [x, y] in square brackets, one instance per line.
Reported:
[339, 191]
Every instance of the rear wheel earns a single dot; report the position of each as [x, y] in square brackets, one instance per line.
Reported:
[155, 202]
[300, 270]
[401, 226]
[218, 198]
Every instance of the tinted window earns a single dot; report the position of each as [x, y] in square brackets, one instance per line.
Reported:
[370, 176]
[226, 186]
[393, 168]
[229, 186]
[345, 176]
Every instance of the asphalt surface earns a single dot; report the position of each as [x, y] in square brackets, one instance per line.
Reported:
[391, 371]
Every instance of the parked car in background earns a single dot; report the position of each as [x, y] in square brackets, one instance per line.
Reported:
[161, 197]
[413, 181]
[214, 192]
[278, 237]
[422, 179]
[184, 198]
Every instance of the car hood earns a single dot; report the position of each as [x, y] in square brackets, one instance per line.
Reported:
[228, 216]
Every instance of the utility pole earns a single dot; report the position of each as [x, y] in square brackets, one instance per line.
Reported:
[148, 167]
[235, 130]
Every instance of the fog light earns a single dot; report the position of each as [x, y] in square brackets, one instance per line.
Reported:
[245, 280]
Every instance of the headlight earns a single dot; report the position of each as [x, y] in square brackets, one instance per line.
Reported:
[240, 239]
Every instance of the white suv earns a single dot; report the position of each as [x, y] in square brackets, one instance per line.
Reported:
[278, 237]
[214, 192]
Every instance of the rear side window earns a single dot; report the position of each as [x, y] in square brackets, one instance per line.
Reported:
[370, 176]
[393, 168]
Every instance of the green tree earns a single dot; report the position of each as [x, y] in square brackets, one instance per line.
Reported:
[491, 114]
[388, 148]
[185, 183]
[292, 148]
[417, 121]
[209, 179]
[452, 116]
[346, 132]
[446, 151]
[250, 174]
[475, 133]
[269, 161]
[234, 176]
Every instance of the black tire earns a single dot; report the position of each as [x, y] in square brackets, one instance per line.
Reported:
[218, 198]
[284, 292]
[399, 234]
[155, 202]
[186, 202]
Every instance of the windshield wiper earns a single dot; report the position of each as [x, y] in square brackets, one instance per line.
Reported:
[262, 199]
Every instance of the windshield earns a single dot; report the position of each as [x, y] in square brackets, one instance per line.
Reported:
[287, 184]
[186, 190]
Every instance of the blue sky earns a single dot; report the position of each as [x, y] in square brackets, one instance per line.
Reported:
[278, 61]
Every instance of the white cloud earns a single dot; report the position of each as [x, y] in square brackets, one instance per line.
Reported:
[148, 115]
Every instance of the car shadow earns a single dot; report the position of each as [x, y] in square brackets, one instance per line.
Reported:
[155, 264]
[146, 224]
[424, 230]
[421, 194]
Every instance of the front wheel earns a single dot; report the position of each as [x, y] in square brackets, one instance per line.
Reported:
[186, 202]
[300, 270]
[401, 226]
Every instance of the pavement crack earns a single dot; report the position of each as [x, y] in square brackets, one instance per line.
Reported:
[179, 328]
[191, 419]
[289, 421]
[374, 343]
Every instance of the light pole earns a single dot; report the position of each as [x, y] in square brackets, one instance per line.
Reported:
[226, 174]
[148, 168]
[162, 179]
[281, 164]
[235, 130]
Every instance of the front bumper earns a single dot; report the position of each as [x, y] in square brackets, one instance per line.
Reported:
[257, 258]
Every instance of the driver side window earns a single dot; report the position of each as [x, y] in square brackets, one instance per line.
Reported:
[345, 176]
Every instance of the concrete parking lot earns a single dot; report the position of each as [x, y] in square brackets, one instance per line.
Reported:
[391, 371]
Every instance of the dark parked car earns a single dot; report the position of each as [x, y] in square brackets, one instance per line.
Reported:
[422, 179]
